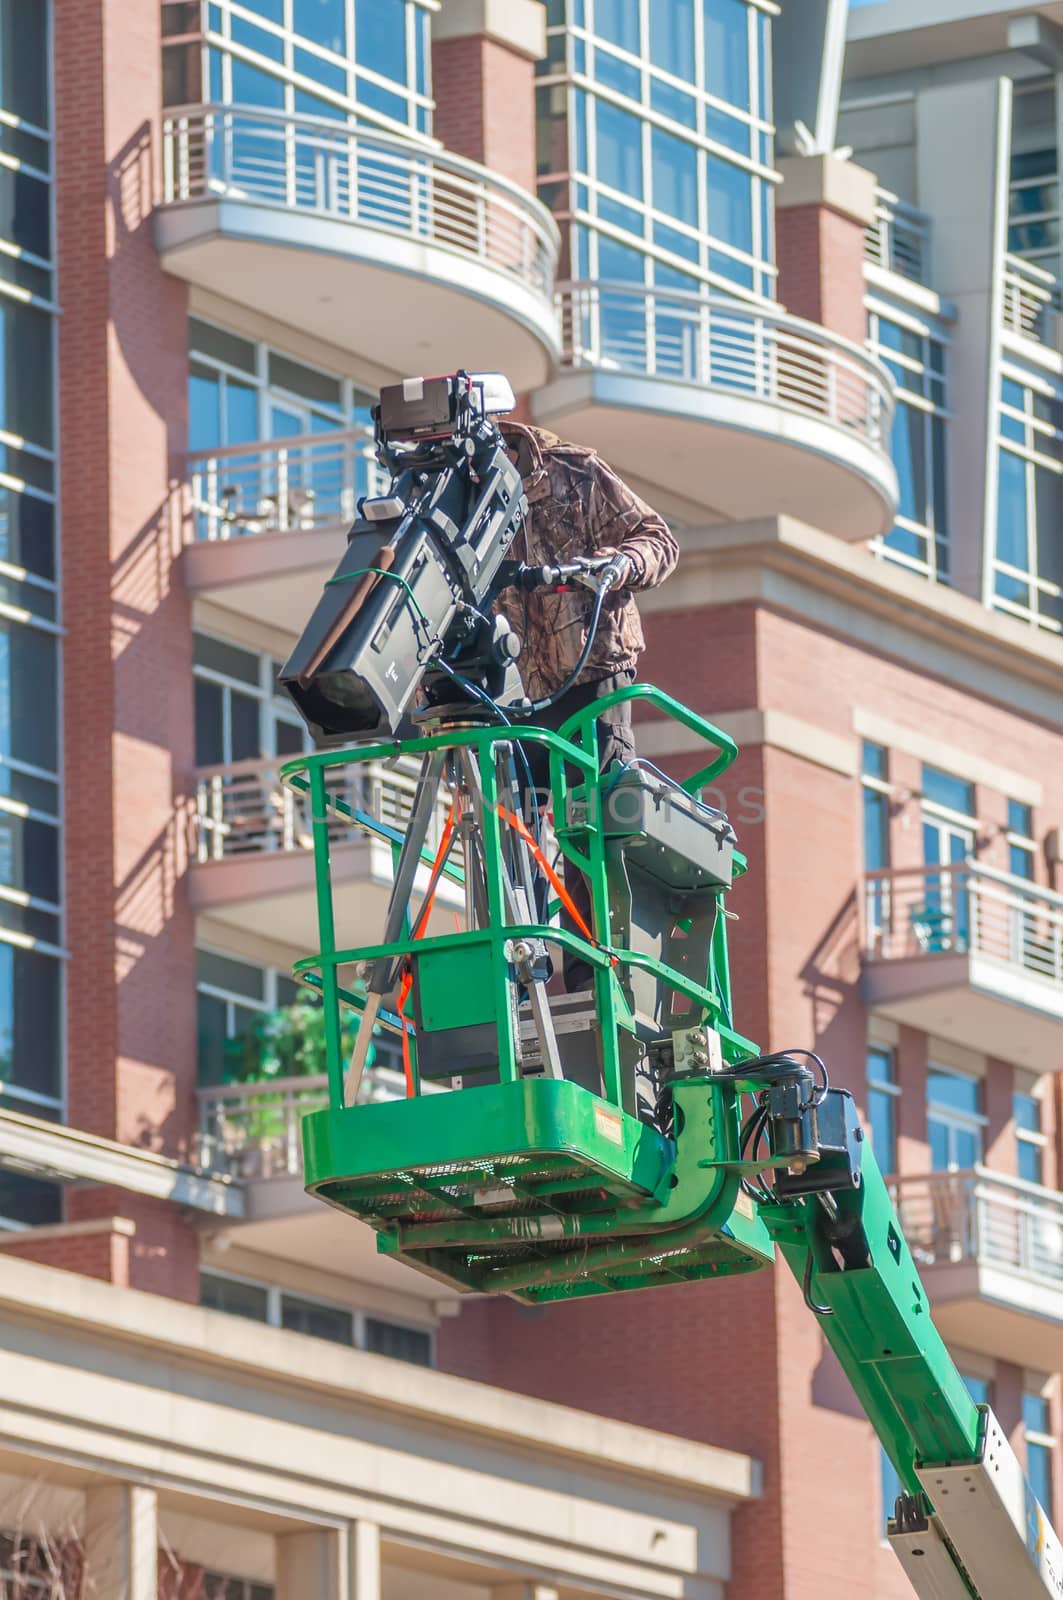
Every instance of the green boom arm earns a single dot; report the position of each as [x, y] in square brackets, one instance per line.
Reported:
[968, 1523]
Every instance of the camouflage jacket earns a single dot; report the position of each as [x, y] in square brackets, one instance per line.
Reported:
[577, 506]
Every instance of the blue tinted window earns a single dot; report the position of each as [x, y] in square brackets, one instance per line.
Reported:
[727, 130]
[953, 1091]
[977, 1388]
[380, 37]
[1011, 510]
[29, 1022]
[942, 789]
[383, 100]
[28, 696]
[1030, 1163]
[204, 408]
[727, 50]
[876, 831]
[260, 40]
[1020, 818]
[730, 204]
[873, 760]
[613, 72]
[668, 101]
[618, 21]
[672, 37]
[254, 88]
[675, 176]
[329, 74]
[619, 149]
[323, 21]
[618, 263]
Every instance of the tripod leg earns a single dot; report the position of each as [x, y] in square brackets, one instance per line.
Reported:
[382, 977]
[519, 899]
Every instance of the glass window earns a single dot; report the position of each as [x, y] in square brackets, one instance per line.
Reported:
[1037, 1427]
[882, 1094]
[404, 1344]
[26, 347]
[954, 1119]
[323, 21]
[24, 60]
[949, 792]
[1029, 1139]
[618, 21]
[675, 177]
[29, 695]
[318, 1320]
[233, 1295]
[619, 141]
[25, 1201]
[1028, 565]
[727, 50]
[672, 38]
[919, 539]
[876, 808]
[697, 194]
[380, 37]
[730, 203]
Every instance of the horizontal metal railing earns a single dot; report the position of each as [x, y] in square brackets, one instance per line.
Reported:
[379, 180]
[726, 344]
[899, 238]
[926, 911]
[277, 485]
[251, 1130]
[1030, 299]
[243, 808]
[983, 1217]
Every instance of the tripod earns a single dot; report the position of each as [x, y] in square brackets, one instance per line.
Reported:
[529, 968]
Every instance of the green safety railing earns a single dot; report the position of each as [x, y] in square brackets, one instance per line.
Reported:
[572, 752]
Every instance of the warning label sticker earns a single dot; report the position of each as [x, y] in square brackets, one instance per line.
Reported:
[609, 1125]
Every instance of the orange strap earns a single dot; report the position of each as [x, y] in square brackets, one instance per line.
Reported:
[521, 827]
[407, 1065]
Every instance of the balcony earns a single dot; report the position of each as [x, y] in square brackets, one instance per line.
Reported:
[248, 1139]
[740, 410]
[969, 954]
[330, 229]
[899, 238]
[252, 850]
[1030, 301]
[990, 1251]
[266, 522]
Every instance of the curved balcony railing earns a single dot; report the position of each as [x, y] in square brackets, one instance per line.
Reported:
[899, 238]
[725, 344]
[964, 908]
[281, 485]
[983, 1217]
[378, 180]
[243, 809]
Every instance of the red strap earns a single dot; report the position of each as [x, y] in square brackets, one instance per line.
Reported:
[521, 827]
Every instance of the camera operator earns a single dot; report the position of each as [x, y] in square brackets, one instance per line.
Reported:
[578, 507]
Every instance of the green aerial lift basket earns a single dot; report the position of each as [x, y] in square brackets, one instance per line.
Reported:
[547, 1186]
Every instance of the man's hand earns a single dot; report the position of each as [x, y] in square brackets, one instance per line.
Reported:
[619, 564]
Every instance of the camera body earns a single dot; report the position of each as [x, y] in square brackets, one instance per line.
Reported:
[421, 563]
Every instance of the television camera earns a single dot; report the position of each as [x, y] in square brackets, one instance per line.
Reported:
[405, 619]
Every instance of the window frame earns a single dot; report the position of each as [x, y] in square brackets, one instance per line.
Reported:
[889, 1089]
[275, 1293]
[954, 1121]
[927, 394]
[1034, 455]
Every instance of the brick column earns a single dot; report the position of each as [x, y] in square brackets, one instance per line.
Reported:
[483, 71]
[822, 208]
[127, 676]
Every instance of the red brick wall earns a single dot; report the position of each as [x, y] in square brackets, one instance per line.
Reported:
[96, 1255]
[820, 256]
[127, 678]
[485, 105]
